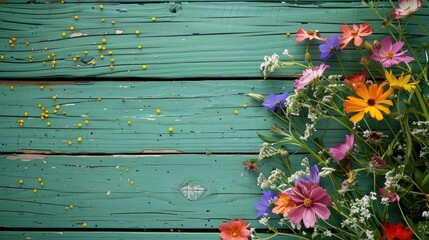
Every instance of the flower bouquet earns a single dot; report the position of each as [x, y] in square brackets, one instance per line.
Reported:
[362, 138]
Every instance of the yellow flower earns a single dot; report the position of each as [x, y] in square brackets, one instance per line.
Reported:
[402, 82]
[369, 100]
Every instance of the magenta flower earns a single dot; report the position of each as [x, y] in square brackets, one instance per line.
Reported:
[342, 150]
[392, 196]
[311, 200]
[308, 75]
[406, 8]
[389, 54]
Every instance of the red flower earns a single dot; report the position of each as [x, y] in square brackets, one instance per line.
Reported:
[356, 34]
[396, 231]
[235, 230]
[357, 79]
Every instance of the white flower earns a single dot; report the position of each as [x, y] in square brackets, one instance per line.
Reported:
[425, 214]
[270, 64]
[369, 234]
[326, 171]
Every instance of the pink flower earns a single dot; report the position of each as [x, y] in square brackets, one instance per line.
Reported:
[356, 34]
[311, 200]
[342, 150]
[235, 230]
[406, 8]
[308, 75]
[301, 35]
[389, 54]
[392, 196]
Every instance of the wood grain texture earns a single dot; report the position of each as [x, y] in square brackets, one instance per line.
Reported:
[198, 39]
[201, 114]
[123, 191]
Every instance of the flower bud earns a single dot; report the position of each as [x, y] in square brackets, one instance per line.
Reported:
[367, 46]
[256, 96]
[376, 44]
[283, 153]
[307, 57]
[364, 61]
[406, 102]
[378, 162]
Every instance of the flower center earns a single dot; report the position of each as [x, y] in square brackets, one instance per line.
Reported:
[311, 32]
[286, 201]
[307, 202]
[371, 102]
[235, 234]
[389, 55]
[354, 33]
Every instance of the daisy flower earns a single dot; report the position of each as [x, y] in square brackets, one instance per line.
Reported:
[355, 33]
[372, 100]
[311, 201]
[403, 82]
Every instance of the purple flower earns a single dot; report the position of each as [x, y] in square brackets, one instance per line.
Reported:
[343, 149]
[314, 176]
[264, 204]
[275, 102]
[390, 54]
[329, 47]
[308, 75]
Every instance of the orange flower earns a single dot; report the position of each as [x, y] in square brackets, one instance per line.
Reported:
[283, 205]
[369, 100]
[356, 34]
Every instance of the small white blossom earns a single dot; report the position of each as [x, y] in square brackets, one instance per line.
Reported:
[264, 220]
[270, 64]
[326, 171]
[369, 235]
[267, 151]
[425, 214]
[286, 53]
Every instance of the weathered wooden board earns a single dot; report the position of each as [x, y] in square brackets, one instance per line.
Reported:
[201, 113]
[192, 39]
[178, 191]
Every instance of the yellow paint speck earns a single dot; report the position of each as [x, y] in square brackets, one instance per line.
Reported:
[99, 99]
[94, 62]
[71, 28]
[26, 114]
[127, 169]
[86, 122]
[170, 129]
[69, 142]
[137, 32]
[144, 66]
[2, 57]
[79, 139]
[139, 46]
[113, 22]
[35, 190]
[131, 182]
[111, 66]
[110, 52]
[103, 20]
[79, 125]
[71, 206]
[48, 124]
[84, 224]
[112, 60]
[21, 181]
[39, 179]
[104, 40]
[153, 19]
[54, 97]
[11, 87]
[244, 105]
[129, 122]
[27, 43]
[42, 184]
[99, 47]
[66, 208]
[76, 17]
[235, 111]
[64, 34]
[101, 56]
[101, 6]
[57, 106]
[85, 52]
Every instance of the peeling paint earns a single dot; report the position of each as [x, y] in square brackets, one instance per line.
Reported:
[27, 157]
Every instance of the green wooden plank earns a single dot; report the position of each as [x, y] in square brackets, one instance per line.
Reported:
[203, 39]
[201, 114]
[127, 191]
[114, 235]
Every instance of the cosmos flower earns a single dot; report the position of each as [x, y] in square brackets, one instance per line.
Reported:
[406, 8]
[283, 205]
[396, 231]
[356, 79]
[275, 102]
[301, 35]
[356, 34]
[329, 47]
[390, 54]
[311, 201]
[235, 230]
[264, 204]
[370, 100]
[403, 82]
[342, 150]
[308, 75]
